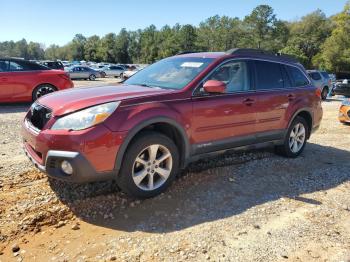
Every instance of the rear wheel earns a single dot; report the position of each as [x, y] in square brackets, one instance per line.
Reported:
[149, 166]
[92, 77]
[295, 140]
[42, 90]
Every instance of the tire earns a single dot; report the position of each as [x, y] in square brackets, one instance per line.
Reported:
[92, 77]
[121, 76]
[143, 148]
[290, 149]
[324, 93]
[42, 90]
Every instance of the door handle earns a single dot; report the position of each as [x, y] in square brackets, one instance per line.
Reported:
[248, 101]
[291, 97]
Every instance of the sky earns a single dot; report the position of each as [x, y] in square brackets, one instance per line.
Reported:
[56, 22]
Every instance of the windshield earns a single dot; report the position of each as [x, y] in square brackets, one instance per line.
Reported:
[170, 73]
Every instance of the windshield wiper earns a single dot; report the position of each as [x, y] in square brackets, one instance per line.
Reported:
[147, 85]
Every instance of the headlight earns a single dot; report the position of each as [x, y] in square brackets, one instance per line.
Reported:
[86, 118]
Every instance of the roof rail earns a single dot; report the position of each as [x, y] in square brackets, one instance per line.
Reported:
[261, 52]
[186, 52]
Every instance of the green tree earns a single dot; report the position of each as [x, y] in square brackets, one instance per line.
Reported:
[260, 26]
[336, 49]
[91, 48]
[122, 47]
[35, 51]
[307, 37]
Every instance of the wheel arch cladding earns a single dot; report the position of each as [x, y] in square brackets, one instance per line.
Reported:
[164, 125]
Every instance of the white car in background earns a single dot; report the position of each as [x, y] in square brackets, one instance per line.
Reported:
[132, 70]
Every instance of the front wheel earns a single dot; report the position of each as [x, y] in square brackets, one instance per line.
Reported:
[295, 140]
[42, 90]
[150, 165]
[92, 77]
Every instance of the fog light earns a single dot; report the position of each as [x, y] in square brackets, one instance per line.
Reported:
[66, 167]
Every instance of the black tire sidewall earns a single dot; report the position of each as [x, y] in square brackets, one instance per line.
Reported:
[125, 180]
[92, 77]
[286, 149]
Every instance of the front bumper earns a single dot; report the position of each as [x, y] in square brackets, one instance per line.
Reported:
[91, 152]
[83, 171]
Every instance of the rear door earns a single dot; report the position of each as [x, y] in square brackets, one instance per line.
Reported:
[274, 94]
[222, 121]
[6, 89]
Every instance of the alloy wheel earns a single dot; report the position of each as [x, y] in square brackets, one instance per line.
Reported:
[297, 138]
[44, 90]
[152, 167]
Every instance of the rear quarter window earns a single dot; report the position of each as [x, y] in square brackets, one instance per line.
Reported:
[297, 76]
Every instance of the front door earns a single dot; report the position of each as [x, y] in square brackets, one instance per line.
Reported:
[222, 121]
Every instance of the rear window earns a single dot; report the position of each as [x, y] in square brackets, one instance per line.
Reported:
[297, 76]
[268, 75]
[315, 76]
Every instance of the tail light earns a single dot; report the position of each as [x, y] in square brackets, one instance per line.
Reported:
[65, 76]
[318, 92]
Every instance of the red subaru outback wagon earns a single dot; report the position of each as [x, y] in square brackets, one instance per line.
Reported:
[175, 111]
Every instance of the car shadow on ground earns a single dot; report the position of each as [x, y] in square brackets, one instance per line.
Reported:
[14, 108]
[233, 184]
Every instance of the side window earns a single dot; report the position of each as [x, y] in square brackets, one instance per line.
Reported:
[4, 65]
[315, 75]
[234, 74]
[15, 66]
[268, 75]
[298, 78]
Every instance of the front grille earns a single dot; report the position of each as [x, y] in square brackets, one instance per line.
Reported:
[39, 115]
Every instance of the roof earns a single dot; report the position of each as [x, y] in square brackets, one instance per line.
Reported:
[244, 53]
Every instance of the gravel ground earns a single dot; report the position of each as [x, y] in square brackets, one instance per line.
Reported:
[241, 206]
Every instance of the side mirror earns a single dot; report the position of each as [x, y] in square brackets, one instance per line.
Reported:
[214, 86]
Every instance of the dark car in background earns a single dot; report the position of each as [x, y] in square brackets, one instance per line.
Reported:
[25, 81]
[342, 85]
[53, 64]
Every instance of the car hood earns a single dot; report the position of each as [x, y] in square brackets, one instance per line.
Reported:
[67, 101]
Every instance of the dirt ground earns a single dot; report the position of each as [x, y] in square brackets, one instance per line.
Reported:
[241, 206]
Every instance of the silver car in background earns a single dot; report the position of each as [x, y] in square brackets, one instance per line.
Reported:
[322, 80]
[83, 72]
[114, 70]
